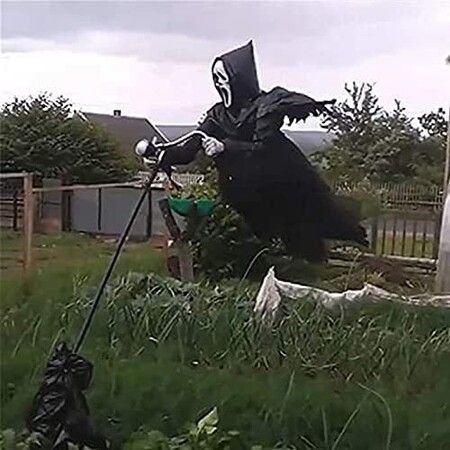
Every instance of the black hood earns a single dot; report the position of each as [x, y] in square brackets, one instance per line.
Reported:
[241, 68]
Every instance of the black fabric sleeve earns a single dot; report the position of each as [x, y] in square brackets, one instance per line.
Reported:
[233, 146]
[185, 153]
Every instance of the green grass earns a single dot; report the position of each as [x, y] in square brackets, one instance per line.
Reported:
[166, 353]
[63, 262]
[68, 251]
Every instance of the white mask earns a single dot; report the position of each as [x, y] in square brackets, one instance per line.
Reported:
[222, 82]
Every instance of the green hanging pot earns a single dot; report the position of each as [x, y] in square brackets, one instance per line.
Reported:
[183, 206]
[205, 206]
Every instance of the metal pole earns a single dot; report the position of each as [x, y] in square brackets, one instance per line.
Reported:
[109, 271]
[112, 263]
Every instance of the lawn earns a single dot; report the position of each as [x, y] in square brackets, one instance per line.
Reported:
[166, 353]
[61, 262]
[70, 251]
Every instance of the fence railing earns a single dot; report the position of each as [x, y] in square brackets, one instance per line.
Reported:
[17, 210]
[11, 209]
[407, 226]
[398, 195]
[407, 233]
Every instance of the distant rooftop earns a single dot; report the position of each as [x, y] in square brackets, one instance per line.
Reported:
[129, 130]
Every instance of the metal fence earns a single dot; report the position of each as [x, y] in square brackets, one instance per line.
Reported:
[413, 234]
[408, 224]
[16, 212]
[11, 204]
[398, 195]
[104, 211]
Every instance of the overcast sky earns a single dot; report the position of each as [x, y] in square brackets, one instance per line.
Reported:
[153, 59]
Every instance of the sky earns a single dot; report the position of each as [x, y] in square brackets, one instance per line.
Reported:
[152, 59]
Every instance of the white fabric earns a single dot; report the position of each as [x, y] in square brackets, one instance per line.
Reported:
[202, 119]
[141, 147]
[212, 146]
[273, 290]
[445, 228]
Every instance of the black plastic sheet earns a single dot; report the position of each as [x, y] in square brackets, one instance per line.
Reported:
[59, 411]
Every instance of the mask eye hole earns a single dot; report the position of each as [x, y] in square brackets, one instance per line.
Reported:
[219, 73]
[222, 77]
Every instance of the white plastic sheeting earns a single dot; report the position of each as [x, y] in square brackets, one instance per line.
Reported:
[273, 290]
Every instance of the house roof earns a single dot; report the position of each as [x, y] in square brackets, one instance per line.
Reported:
[127, 130]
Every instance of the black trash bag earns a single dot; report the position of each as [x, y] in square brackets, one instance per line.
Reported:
[59, 411]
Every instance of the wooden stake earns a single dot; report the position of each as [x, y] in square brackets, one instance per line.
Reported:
[185, 261]
[28, 218]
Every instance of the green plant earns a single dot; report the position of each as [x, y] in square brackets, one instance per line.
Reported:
[10, 440]
[224, 245]
[42, 135]
[368, 196]
[204, 435]
[164, 350]
[196, 191]
[372, 143]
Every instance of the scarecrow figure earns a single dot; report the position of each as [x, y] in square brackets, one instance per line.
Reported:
[262, 173]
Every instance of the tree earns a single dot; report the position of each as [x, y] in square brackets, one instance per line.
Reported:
[370, 143]
[435, 125]
[42, 135]
[429, 159]
[394, 150]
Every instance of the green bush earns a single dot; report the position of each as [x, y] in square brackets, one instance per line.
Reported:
[225, 246]
[43, 135]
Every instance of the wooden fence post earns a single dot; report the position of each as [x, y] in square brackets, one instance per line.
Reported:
[15, 212]
[28, 218]
[374, 234]
[66, 204]
[436, 233]
[185, 261]
[180, 246]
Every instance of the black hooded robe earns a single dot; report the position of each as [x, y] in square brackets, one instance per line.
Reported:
[262, 173]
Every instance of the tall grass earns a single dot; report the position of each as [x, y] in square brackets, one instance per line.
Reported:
[167, 351]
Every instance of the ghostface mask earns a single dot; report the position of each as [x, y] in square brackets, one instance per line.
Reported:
[222, 82]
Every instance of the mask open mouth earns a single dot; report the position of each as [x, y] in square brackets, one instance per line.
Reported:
[225, 93]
